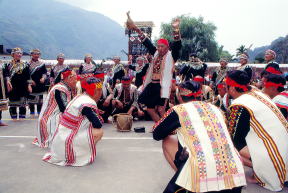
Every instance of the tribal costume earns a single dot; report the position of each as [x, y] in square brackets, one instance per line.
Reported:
[140, 73]
[55, 104]
[127, 96]
[219, 74]
[79, 128]
[255, 122]
[192, 69]
[73, 143]
[158, 79]
[281, 100]
[18, 73]
[213, 163]
[87, 68]
[38, 71]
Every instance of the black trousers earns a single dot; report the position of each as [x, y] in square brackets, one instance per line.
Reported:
[14, 114]
[39, 106]
[32, 108]
[107, 110]
[0, 115]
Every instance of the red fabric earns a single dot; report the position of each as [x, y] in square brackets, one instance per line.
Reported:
[100, 76]
[195, 94]
[163, 41]
[273, 70]
[126, 81]
[90, 88]
[199, 79]
[272, 84]
[231, 82]
[66, 73]
[220, 86]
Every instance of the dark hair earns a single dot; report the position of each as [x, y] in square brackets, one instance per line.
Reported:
[278, 79]
[240, 77]
[193, 55]
[58, 77]
[126, 78]
[192, 86]
[92, 80]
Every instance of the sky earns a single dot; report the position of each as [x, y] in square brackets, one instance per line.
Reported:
[238, 22]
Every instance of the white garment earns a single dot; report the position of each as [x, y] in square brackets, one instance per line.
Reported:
[49, 116]
[73, 143]
[267, 139]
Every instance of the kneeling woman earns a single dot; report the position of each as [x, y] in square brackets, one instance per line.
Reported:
[79, 129]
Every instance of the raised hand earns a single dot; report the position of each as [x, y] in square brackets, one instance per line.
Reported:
[129, 23]
[176, 23]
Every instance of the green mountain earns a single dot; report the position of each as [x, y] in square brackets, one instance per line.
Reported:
[57, 27]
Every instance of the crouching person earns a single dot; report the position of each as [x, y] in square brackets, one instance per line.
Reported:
[54, 105]
[202, 154]
[79, 128]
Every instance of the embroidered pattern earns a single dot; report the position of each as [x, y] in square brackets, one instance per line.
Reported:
[233, 119]
[272, 107]
[221, 149]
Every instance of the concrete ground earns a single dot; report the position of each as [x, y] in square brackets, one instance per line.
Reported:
[125, 163]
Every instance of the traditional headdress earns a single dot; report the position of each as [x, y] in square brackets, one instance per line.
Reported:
[61, 55]
[163, 41]
[274, 80]
[271, 52]
[35, 51]
[244, 56]
[91, 84]
[190, 89]
[199, 79]
[16, 50]
[126, 80]
[238, 79]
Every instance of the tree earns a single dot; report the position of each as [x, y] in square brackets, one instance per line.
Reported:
[197, 37]
[241, 50]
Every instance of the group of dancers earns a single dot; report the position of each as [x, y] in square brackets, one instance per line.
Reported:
[210, 127]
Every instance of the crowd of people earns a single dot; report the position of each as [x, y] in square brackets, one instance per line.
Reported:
[212, 125]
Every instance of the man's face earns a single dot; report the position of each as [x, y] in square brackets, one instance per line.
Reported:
[116, 60]
[72, 79]
[17, 56]
[162, 49]
[60, 61]
[221, 91]
[126, 85]
[140, 62]
[35, 56]
[97, 94]
[243, 61]
[223, 63]
[268, 57]
[88, 60]
[231, 91]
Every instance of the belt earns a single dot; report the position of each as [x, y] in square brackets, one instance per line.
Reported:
[155, 81]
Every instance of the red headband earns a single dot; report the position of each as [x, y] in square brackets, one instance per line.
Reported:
[89, 88]
[231, 82]
[273, 70]
[220, 86]
[199, 79]
[163, 41]
[272, 84]
[189, 93]
[66, 73]
[126, 81]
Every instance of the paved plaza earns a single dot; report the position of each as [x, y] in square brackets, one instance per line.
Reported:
[125, 163]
